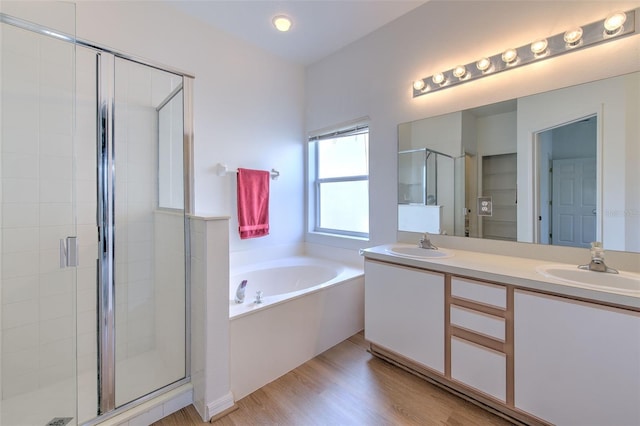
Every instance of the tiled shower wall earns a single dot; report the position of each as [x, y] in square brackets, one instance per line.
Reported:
[136, 199]
[38, 297]
[170, 291]
[150, 257]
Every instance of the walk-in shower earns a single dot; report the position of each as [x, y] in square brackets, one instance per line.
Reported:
[95, 166]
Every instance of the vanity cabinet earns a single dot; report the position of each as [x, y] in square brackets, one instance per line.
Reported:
[538, 358]
[404, 312]
[577, 363]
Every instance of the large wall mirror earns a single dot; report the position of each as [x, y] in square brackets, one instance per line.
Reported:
[560, 168]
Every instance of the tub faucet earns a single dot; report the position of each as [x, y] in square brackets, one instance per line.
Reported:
[597, 260]
[240, 292]
[425, 242]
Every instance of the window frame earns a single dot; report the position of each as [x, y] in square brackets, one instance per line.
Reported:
[316, 183]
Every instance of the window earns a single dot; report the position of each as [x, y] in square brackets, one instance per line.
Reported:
[339, 170]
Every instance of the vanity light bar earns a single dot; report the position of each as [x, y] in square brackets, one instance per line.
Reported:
[613, 27]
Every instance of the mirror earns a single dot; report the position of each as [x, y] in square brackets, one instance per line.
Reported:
[559, 167]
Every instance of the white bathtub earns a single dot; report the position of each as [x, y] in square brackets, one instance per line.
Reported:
[283, 279]
[308, 305]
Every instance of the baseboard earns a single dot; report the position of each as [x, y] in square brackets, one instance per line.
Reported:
[220, 406]
[223, 413]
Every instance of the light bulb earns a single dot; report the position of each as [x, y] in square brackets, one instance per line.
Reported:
[509, 56]
[613, 23]
[418, 84]
[282, 23]
[539, 47]
[438, 78]
[573, 37]
[460, 71]
[483, 64]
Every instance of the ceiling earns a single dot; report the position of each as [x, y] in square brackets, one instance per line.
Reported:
[320, 27]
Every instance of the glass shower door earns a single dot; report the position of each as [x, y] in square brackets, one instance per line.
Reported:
[84, 135]
[38, 217]
[149, 265]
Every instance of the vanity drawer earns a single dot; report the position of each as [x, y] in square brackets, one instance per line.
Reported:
[479, 322]
[481, 368]
[478, 291]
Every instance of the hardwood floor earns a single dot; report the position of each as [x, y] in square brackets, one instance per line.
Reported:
[347, 386]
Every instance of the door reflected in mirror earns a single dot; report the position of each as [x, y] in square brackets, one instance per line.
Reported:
[567, 193]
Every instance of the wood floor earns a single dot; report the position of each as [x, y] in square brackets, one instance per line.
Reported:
[347, 386]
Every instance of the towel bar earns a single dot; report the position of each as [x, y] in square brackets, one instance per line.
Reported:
[222, 170]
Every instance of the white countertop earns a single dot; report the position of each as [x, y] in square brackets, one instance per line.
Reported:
[517, 271]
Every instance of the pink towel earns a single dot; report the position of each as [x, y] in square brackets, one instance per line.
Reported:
[253, 203]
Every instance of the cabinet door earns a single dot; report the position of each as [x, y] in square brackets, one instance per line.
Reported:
[404, 312]
[576, 363]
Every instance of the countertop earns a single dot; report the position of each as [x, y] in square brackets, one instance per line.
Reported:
[517, 271]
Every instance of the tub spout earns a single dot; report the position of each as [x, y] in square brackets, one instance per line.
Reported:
[240, 292]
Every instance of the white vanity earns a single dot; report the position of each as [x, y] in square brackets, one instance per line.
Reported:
[494, 330]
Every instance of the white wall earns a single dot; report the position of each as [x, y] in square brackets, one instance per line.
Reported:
[373, 76]
[442, 134]
[248, 105]
[497, 134]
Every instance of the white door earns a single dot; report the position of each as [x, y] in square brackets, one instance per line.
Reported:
[574, 202]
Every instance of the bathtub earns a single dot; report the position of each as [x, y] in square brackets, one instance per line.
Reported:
[308, 305]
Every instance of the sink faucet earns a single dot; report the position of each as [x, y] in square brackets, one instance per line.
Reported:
[425, 242]
[597, 260]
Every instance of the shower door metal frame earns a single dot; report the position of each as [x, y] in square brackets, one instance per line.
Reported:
[106, 225]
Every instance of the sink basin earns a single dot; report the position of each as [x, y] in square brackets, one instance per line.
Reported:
[623, 282]
[419, 253]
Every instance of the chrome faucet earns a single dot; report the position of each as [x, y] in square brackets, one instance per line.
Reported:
[597, 260]
[425, 242]
[240, 292]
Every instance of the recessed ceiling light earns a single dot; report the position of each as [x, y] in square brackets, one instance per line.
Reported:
[282, 23]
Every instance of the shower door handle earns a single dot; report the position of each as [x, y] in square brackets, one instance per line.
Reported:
[68, 252]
